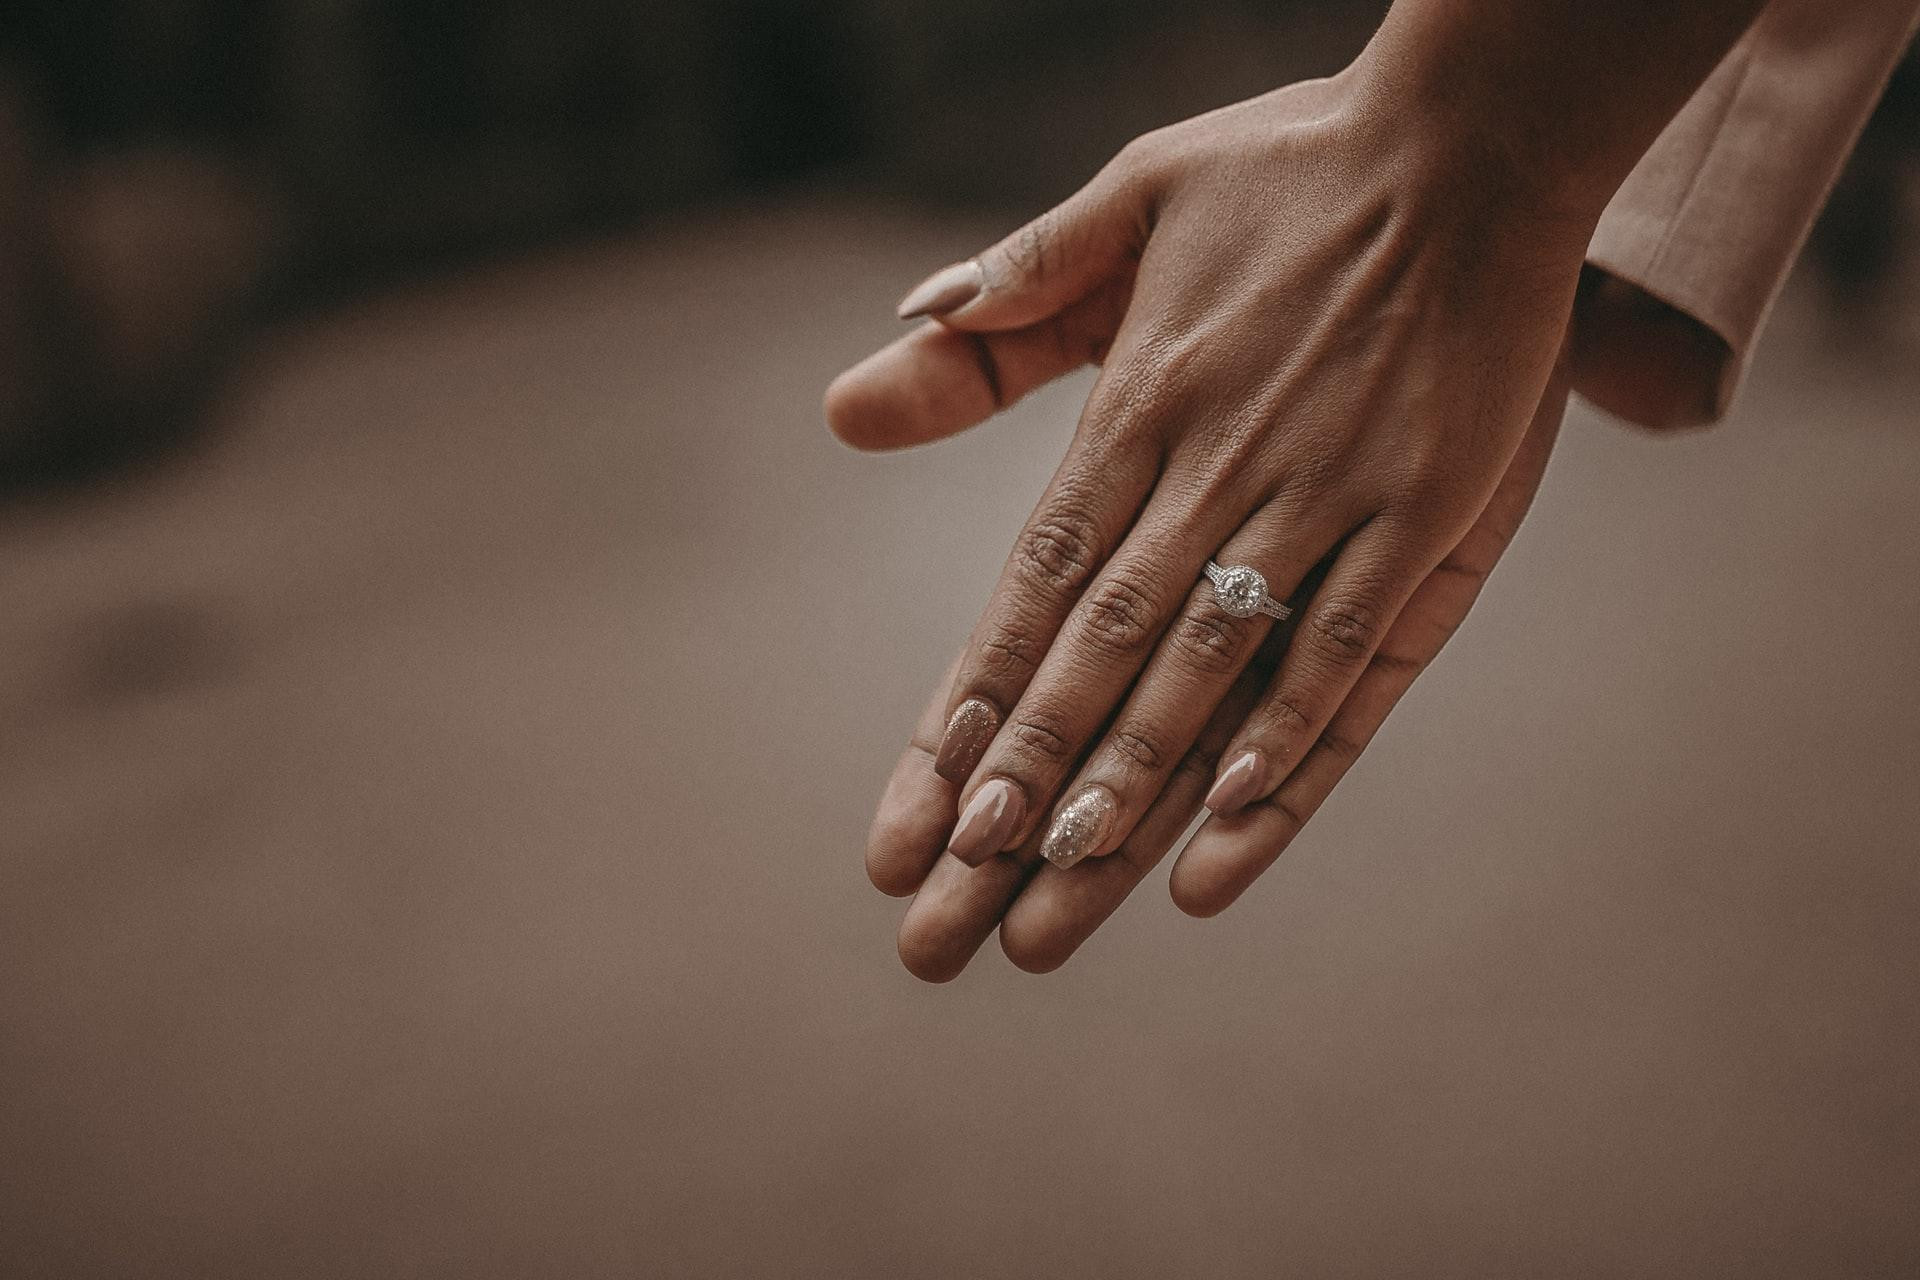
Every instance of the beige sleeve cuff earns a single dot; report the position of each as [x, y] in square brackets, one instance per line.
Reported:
[1711, 220]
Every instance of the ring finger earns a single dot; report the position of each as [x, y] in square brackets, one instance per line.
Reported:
[1221, 625]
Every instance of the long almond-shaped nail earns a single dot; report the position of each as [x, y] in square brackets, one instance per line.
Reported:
[988, 822]
[947, 289]
[1239, 784]
[969, 730]
[1080, 826]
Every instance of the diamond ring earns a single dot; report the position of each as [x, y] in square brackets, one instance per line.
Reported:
[1242, 592]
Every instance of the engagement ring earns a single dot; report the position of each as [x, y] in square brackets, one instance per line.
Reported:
[1242, 592]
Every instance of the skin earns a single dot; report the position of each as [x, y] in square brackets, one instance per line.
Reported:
[1331, 325]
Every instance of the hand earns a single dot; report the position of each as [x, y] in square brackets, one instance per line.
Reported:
[1044, 913]
[1321, 346]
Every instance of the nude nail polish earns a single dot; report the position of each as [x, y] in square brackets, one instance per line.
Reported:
[1239, 784]
[947, 289]
[969, 731]
[987, 823]
[1080, 826]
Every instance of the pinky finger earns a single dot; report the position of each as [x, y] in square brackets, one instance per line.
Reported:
[1229, 852]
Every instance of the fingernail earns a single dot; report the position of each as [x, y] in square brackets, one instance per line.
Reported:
[1079, 827]
[1239, 784]
[969, 729]
[945, 290]
[987, 823]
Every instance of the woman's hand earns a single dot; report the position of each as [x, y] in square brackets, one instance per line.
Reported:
[1323, 340]
[1044, 913]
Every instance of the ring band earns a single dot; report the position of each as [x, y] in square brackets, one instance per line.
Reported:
[1242, 591]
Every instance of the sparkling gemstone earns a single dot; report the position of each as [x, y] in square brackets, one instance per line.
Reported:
[1240, 591]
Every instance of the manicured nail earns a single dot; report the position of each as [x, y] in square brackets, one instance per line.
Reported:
[1079, 827]
[1239, 784]
[987, 823]
[969, 729]
[945, 290]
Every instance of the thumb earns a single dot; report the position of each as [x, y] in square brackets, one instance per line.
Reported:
[1047, 265]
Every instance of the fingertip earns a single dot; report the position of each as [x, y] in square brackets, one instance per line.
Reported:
[928, 963]
[910, 827]
[1201, 884]
[1201, 901]
[1034, 951]
[852, 412]
[891, 876]
[931, 947]
[925, 386]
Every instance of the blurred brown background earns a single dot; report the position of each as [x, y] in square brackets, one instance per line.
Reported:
[412, 864]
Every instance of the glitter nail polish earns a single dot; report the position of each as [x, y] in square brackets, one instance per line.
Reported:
[969, 729]
[1080, 826]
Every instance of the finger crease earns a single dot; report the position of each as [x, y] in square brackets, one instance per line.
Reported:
[1395, 662]
[989, 368]
[1459, 569]
[1280, 806]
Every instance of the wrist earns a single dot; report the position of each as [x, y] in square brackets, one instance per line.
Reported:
[1470, 183]
[1461, 129]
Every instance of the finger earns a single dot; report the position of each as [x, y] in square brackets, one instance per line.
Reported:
[1058, 910]
[916, 811]
[936, 381]
[1100, 647]
[1057, 259]
[1196, 662]
[1230, 852]
[956, 911]
[1080, 520]
[1340, 629]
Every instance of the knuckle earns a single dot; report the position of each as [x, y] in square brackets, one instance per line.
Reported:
[1284, 714]
[1043, 735]
[1140, 154]
[1346, 631]
[1033, 250]
[1210, 640]
[1140, 398]
[1008, 653]
[1167, 371]
[1310, 473]
[1138, 749]
[1339, 747]
[1139, 160]
[1057, 552]
[1457, 566]
[1409, 664]
[1427, 506]
[1198, 765]
[1118, 615]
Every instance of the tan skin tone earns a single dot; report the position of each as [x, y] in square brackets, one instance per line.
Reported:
[1330, 323]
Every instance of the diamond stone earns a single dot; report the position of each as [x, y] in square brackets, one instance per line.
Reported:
[1240, 591]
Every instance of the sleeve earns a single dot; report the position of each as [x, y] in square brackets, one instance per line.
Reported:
[1710, 222]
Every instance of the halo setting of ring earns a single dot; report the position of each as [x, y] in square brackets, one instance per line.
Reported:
[1240, 590]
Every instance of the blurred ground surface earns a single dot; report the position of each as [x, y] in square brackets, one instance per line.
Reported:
[431, 813]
